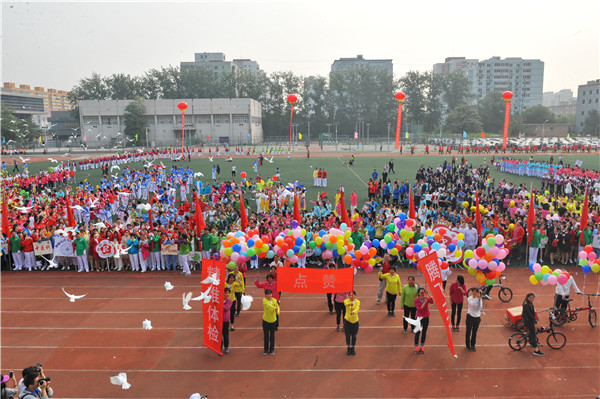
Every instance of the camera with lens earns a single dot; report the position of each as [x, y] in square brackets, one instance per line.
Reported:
[47, 380]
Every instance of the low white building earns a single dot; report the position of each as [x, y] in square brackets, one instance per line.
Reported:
[236, 121]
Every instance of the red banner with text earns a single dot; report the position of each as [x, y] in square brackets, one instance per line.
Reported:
[430, 267]
[315, 281]
[212, 311]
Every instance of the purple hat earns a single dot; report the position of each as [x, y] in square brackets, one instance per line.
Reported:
[4, 378]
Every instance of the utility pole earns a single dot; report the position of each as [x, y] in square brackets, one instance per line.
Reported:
[336, 124]
[308, 140]
[368, 124]
[388, 140]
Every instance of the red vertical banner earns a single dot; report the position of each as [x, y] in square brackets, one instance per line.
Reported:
[70, 217]
[584, 218]
[478, 217]
[507, 95]
[530, 216]
[5, 222]
[212, 312]
[400, 98]
[431, 269]
[243, 215]
[200, 224]
[297, 216]
[150, 219]
[344, 212]
[411, 205]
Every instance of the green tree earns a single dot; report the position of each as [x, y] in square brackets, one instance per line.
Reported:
[591, 124]
[135, 119]
[538, 114]
[569, 120]
[11, 125]
[464, 118]
[491, 111]
[415, 85]
[122, 87]
[315, 97]
[456, 90]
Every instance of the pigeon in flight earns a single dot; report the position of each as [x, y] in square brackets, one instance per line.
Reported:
[120, 379]
[213, 279]
[204, 296]
[186, 300]
[246, 302]
[53, 264]
[147, 324]
[416, 323]
[52, 160]
[73, 297]
[168, 286]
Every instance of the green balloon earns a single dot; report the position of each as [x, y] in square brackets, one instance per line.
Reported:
[490, 282]
[539, 276]
[391, 227]
[328, 245]
[251, 252]
[387, 239]
[312, 244]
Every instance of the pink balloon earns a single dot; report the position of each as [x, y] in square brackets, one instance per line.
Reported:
[561, 279]
[293, 259]
[492, 265]
[369, 269]
[583, 255]
[552, 280]
[482, 264]
[501, 267]
[473, 264]
[499, 239]
[502, 253]
[592, 256]
[537, 268]
[364, 250]
[327, 254]
[410, 252]
[494, 251]
[280, 253]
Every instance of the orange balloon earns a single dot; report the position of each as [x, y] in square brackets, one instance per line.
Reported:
[348, 259]
[226, 244]
[437, 237]
[372, 251]
[489, 257]
[333, 239]
[235, 240]
[357, 254]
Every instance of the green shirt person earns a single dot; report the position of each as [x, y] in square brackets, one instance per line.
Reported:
[81, 245]
[407, 300]
[15, 243]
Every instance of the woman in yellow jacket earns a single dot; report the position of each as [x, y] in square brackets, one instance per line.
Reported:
[351, 321]
[270, 313]
[393, 286]
[232, 284]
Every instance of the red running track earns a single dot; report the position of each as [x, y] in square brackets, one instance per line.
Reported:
[82, 344]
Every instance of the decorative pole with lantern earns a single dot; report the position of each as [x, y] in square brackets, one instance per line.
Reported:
[400, 98]
[182, 107]
[507, 96]
[291, 99]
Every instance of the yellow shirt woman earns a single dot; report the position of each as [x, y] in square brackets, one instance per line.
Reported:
[352, 308]
[271, 309]
[393, 284]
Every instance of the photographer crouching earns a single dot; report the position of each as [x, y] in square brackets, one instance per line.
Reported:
[35, 384]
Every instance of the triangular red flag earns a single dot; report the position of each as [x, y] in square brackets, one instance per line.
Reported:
[478, 215]
[70, 217]
[530, 218]
[200, 225]
[584, 218]
[411, 203]
[5, 222]
[482, 134]
[243, 216]
[344, 211]
[297, 217]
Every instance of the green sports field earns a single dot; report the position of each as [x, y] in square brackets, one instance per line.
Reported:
[351, 177]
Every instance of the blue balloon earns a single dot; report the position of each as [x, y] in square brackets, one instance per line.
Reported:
[299, 241]
[317, 251]
[402, 216]
[343, 226]
[451, 247]
[531, 267]
[296, 248]
[586, 268]
[236, 247]
[376, 243]
[270, 254]
[322, 233]
[417, 248]
[436, 246]
[250, 243]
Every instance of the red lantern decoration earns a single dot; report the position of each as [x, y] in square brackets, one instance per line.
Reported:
[243, 175]
[292, 98]
[400, 96]
[507, 95]
[275, 178]
[182, 106]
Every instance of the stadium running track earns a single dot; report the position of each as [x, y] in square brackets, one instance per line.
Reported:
[82, 344]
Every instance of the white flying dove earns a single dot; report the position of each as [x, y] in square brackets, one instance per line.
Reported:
[114, 167]
[147, 324]
[186, 300]
[246, 302]
[100, 225]
[168, 286]
[210, 159]
[73, 297]
[204, 296]
[120, 379]
[212, 279]
[198, 174]
[416, 323]
[53, 264]
[270, 160]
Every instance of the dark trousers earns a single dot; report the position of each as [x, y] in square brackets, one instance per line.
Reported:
[411, 313]
[532, 334]
[238, 303]
[423, 333]
[269, 336]
[225, 335]
[472, 327]
[329, 301]
[559, 303]
[351, 330]
[456, 311]
[391, 301]
[340, 311]
[232, 313]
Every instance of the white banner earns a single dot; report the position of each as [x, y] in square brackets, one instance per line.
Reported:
[63, 247]
[106, 249]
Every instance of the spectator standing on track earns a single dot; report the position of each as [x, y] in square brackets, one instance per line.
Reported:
[352, 306]
[330, 265]
[385, 268]
[270, 313]
[422, 304]
[392, 288]
[458, 291]
[232, 284]
[226, 317]
[474, 306]
[528, 315]
[270, 284]
[407, 299]
[340, 309]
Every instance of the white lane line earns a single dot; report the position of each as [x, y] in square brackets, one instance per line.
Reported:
[357, 176]
[286, 311]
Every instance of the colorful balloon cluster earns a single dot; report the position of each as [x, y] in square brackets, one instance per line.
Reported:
[588, 260]
[436, 242]
[290, 244]
[238, 247]
[545, 276]
[485, 263]
[334, 242]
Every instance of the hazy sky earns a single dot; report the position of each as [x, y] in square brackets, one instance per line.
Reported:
[55, 44]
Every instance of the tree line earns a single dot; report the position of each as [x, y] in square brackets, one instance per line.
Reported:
[433, 102]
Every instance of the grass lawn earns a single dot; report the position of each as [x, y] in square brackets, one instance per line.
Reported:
[353, 178]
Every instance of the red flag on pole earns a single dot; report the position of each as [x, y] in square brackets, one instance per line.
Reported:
[584, 218]
[243, 216]
[297, 217]
[212, 312]
[150, 219]
[411, 203]
[344, 214]
[200, 225]
[478, 215]
[431, 269]
[70, 217]
[5, 222]
[530, 217]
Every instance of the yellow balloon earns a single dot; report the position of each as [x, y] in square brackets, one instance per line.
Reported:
[465, 204]
[460, 236]
[533, 280]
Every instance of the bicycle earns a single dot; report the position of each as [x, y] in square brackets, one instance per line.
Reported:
[505, 294]
[555, 339]
[561, 316]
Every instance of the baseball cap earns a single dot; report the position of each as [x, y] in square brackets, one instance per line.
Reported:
[4, 378]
